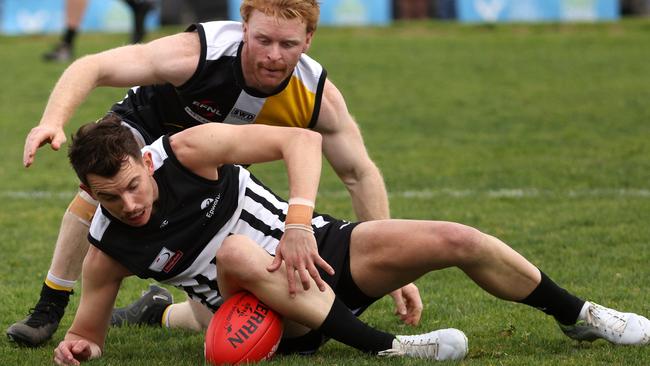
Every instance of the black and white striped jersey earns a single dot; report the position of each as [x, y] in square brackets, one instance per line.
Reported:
[217, 92]
[191, 218]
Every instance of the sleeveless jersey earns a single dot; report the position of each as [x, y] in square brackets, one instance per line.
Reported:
[216, 92]
[191, 218]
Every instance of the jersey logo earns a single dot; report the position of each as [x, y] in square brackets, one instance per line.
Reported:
[206, 108]
[204, 111]
[242, 115]
[212, 202]
[165, 261]
[206, 202]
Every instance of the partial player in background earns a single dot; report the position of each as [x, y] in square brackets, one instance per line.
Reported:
[74, 13]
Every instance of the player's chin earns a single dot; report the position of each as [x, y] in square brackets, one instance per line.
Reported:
[272, 78]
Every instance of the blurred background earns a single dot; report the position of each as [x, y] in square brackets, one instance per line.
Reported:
[38, 16]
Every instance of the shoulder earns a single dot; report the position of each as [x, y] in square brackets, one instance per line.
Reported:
[172, 58]
[223, 29]
[160, 151]
[307, 66]
[219, 37]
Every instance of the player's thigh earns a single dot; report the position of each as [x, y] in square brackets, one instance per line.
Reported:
[387, 254]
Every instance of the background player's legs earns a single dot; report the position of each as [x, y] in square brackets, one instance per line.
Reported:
[72, 242]
[74, 12]
[139, 8]
[188, 314]
[67, 260]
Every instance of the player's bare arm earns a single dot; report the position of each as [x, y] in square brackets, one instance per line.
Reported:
[344, 148]
[170, 59]
[204, 147]
[101, 281]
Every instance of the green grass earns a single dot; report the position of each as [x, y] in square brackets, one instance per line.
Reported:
[536, 134]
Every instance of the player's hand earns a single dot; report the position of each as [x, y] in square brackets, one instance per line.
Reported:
[300, 254]
[72, 352]
[408, 304]
[39, 136]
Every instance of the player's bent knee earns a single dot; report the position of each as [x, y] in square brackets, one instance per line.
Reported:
[465, 243]
[238, 256]
[82, 207]
[232, 251]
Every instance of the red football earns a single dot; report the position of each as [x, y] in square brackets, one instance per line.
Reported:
[243, 330]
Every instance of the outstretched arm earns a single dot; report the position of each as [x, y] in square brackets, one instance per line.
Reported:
[344, 148]
[85, 338]
[171, 59]
[204, 147]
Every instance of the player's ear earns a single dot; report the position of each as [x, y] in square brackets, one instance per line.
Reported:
[147, 159]
[310, 35]
[244, 31]
[87, 190]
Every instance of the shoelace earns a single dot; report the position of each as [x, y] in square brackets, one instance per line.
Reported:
[420, 348]
[44, 313]
[607, 320]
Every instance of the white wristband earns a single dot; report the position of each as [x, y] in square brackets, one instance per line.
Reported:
[299, 227]
[301, 201]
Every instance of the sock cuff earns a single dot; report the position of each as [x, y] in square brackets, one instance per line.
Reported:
[342, 325]
[57, 283]
[554, 300]
[337, 311]
[164, 320]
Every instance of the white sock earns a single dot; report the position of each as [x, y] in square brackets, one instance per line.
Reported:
[584, 311]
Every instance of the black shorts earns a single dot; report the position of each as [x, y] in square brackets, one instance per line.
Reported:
[334, 247]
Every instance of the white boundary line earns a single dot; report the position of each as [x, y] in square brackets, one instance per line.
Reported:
[412, 194]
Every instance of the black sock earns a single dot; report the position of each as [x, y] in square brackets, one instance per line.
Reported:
[58, 297]
[345, 327]
[138, 27]
[139, 8]
[53, 301]
[554, 300]
[69, 36]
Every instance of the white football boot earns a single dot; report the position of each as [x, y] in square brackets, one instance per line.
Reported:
[597, 321]
[440, 345]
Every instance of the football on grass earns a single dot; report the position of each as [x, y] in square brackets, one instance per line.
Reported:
[243, 330]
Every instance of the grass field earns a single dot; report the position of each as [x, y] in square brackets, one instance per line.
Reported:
[536, 134]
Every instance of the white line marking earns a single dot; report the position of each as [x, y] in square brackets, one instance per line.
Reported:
[25, 195]
[413, 194]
